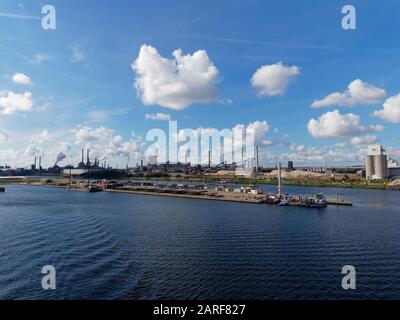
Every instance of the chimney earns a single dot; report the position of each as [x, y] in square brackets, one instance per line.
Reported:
[35, 163]
[40, 162]
[88, 160]
[83, 157]
[258, 164]
[242, 157]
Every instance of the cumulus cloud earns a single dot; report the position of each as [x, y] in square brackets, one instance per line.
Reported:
[11, 103]
[358, 92]
[43, 137]
[105, 144]
[273, 80]
[364, 140]
[87, 135]
[391, 110]
[258, 130]
[175, 83]
[21, 78]
[158, 116]
[332, 125]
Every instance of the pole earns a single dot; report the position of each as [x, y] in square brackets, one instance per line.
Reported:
[279, 180]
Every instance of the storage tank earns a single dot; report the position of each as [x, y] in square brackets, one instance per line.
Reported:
[381, 167]
[369, 167]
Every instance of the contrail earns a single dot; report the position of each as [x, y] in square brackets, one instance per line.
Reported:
[18, 16]
[16, 53]
[284, 45]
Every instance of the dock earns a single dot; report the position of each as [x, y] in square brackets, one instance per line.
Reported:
[338, 202]
[245, 194]
[216, 196]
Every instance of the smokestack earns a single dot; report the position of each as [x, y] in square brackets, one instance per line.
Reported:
[88, 160]
[209, 158]
[257, 163]
[35, 163]
[242, 157]
[83, 155]
[40, 163]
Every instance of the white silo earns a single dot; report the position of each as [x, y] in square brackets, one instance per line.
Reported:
[369, 167]
[381, 167]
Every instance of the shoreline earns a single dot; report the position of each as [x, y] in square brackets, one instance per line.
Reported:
[228, 180]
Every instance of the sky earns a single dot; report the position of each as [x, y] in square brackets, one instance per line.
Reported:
[314, 92]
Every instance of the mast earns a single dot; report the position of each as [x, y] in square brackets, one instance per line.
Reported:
[280, 179]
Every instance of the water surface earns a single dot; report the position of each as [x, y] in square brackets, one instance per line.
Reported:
[121, 246]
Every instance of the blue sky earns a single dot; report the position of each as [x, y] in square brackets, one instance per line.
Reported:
[81, 75]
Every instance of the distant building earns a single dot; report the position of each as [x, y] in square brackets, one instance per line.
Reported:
[290, 166]
[376, 163]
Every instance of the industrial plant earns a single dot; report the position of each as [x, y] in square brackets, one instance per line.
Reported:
[379, 165]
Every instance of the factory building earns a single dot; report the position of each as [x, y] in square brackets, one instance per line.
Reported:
[378, 165]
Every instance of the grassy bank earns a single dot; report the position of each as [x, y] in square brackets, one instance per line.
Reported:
[307, 182]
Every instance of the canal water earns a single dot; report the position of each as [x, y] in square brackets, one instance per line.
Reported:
[121, 246]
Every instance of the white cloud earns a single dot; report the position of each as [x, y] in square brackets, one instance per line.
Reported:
[98, 116]
[358, 92]
[77, 54]
[65, 147]
[158, 116]
[332, 125]
[42, 137]
[40, 57]
[11, 103]
[273, 80]
[21, 78]
[391, 110]
[87, 135]
[175, 83]
[258, 129]
[106, 145]
[364, 140]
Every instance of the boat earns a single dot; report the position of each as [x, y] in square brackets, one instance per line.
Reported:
[284, 203]
[95, 189]
[272, 199]
[319, 201]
